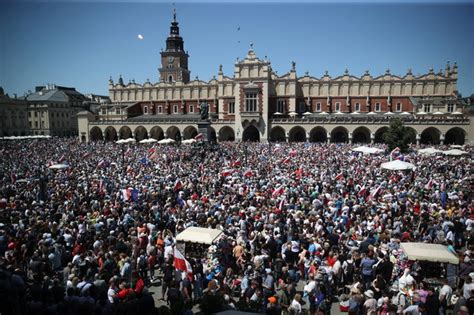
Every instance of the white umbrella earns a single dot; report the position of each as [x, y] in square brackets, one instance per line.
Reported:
[405, 113]
[151, 140]
[438, 113]
[292, 114]
[454, 152]
[456, 113]
[388, 113]
[277, 114]
[58, 166]
[166, 141]
[355, 113]
[338, 113]
[456, 146]
[397, 165]
[371, 113]
[421, 113]
[429, 151]
[307, 113]
[323, 113]
[130, 140]
[121, 141]
[189, 141]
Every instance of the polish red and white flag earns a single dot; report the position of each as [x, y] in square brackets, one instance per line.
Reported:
[182, 264]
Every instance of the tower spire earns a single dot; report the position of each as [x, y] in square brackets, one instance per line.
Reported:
[174, 14]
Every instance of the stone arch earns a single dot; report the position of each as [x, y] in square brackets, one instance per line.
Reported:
[125, 132]
[297, 134]
[318, 134]
[339, 135]
[96, 134]
[190, 132]
[251, 133]
[455, 135]
[430, 135]
[174, 133]
[278, 134]
[157, 133]
[226, 133]
[361, 135]
[110, 134]
[379, 135]
[141, 133]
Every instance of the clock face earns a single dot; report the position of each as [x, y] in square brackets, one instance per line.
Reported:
[170, 59]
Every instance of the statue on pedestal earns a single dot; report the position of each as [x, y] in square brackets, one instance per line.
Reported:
[204, 111]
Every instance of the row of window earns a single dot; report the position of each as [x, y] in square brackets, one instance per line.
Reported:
[57, 114]
[175, 109]
[117, 111]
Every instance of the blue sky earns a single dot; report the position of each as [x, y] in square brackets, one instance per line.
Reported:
[82, 44]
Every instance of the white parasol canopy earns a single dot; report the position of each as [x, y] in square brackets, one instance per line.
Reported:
[323, 113]
[166, 141]
[277, 114]
[371, 113]
[307, 113]
[292, 114]
[367, 150]
[58, 166]
[421, 113]
[121, 141]
[339, 113]
[456, 113]
[429, 252]
[199, 235]
[397, 165]
[405, 113]
[355, 113]
[151, 140]
[429, 151]
[456, 146]
[454, 152]
[388, 113]
[438, 113]
[189, 141]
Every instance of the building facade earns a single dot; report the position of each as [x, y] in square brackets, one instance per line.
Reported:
[13, 116]
[52, 110]
[256, 104]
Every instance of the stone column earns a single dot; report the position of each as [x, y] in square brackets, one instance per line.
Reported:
[418, 137]
[350, 137]
[148, 134]
[328, 137]
[441, 139]
[372, 138]
[103, 135]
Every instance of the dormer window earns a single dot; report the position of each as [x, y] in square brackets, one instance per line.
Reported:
[175, 109]
[160, 109]
[145, 110]
[338, 106]
[170, 79]
[191, 109]
[377, 107]
[357, 107]
[427, 108]
[399, 107]
[318, 107]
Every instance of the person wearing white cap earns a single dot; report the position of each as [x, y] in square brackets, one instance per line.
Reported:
[370, 304]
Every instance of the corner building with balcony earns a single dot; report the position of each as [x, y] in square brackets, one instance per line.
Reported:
[256, 104]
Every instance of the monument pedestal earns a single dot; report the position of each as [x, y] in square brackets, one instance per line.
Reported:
[205, 130]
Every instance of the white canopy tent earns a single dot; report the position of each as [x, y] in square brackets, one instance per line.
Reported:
[429, 252]
[455, 152]
[429, 151]
[189, 141]
[367, 150]
[199, 235]
[397, 165]
[166, 141]
[151, 140]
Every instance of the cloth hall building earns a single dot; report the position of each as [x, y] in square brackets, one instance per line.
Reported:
[256, 104]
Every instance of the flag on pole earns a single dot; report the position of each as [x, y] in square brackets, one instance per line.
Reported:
[395, 152]
[339, 176]
[182, 264]
[226, 172]
[277, 192]
[362, 191]
[62, 158]
[293, 152]
[101, 185]
[199, 136]
[375, 192]
[129, 151]
[126, 194]
[287, 160]
[282, 202]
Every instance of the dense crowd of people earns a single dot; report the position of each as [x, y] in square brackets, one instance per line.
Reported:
[305, 225]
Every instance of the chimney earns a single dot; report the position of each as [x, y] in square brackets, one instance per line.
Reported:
[39, 88]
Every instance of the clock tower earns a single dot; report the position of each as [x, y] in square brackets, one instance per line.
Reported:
[174, 60]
